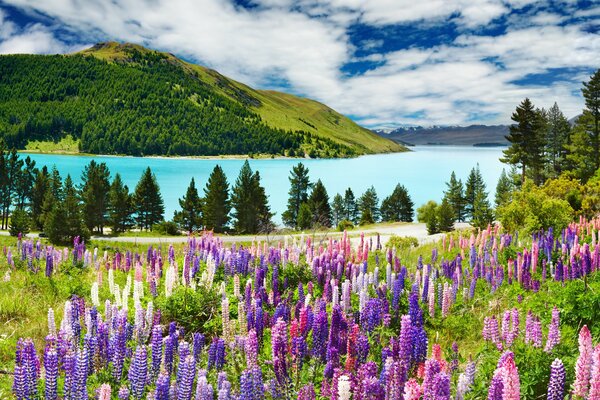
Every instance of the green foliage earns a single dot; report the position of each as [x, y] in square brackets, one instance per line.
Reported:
[532, 209]
[195, 310]
[350, 206]
[251, 209]
[19, 222]
[402, 243]
[170, 228]
[299, 186]
[318, 203]
[337, 209]
[64, 221]
[148, 202]
[427, 214]
[504, 189]
[398, 206]
[121, 207]
[566, 188]
[345, 225]
[368, 206]
[456, 197]
[557, 137]
[445, 216]
[305, 217]
[217, 204]
[95, 195]
[189, 218]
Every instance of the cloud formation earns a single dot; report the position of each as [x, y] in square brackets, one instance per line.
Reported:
[478, 74]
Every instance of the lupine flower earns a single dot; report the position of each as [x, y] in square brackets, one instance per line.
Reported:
[583, 367]
[553, 331]
[51, 367]
[510, 380]
[595, 380]
[251, 349]
[188, 371]
[307, 392]
[138, 371]
[412, 390]
[556, 386]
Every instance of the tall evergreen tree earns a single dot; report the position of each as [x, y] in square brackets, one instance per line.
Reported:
[504, 189]
[299, 187]
[94, 194]
[41, 186]
[120, 211]
[350, 206]
[527, 140]
[249, 200]
[148, 201]
[217, 204]
[445, 216]
[369, 203]
[53, 195]
[24, 185]
[65, 220]
[398, 206]
[473, 185]
[482, 212]
[557, 138]
[190, 216]
[338, 212]
[319, 205]
[591, 94]
[10, 168]
[305, 218]
[456, 197]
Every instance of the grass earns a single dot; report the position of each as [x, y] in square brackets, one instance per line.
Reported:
[67, 145]
[277, 109]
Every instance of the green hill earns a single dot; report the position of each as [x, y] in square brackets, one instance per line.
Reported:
[125, 99]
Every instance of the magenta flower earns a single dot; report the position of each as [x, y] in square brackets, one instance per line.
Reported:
[595, 380]
[553, 331]
[583, 368]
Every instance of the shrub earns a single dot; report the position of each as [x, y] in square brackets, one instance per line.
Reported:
[402, 242]
[427, 213]
[166, 228]
[195, 310]
[19, 222]
[345, 225]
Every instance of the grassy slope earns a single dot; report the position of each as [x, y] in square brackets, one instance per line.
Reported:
[277, 109]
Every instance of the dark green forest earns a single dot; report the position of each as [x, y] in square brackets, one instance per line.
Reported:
[146, 106]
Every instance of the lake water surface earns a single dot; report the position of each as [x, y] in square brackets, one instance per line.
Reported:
[423, 171]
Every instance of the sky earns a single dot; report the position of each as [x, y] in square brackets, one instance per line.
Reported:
[384, 63]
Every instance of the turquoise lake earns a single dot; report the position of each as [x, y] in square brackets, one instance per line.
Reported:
[423, 171]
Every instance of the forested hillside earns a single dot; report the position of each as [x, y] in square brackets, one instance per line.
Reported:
[142, 102]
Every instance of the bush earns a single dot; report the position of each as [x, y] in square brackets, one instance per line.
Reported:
[166, 228]
[345, 225]
[533, 210]
[402, 242]
[19, 223]
[195, 310]
[427, 213]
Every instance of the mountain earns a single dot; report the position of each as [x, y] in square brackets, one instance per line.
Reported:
[125, 99]
[472, 135]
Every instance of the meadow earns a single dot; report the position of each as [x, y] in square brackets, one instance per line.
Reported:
[479, 314]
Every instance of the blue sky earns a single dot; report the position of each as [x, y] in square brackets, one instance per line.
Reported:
[384, 63]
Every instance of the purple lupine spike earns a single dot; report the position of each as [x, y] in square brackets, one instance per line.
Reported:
[138, 372]
[188, 371]
[198, 342]
[162, 387]
[51, 367]
[556, 385]
[251, 348]
[123, 393]
[169, 353]
[156, 348]
[496, 388]
[307, 392]
[81, 374]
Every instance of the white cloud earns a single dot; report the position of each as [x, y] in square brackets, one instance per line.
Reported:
[304, 43]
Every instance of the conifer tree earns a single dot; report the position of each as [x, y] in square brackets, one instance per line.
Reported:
[398, 206]
[350, 206]
[41, 186]
[148, 201]
[504, 189]
[190, 217]
[445, 216]
[319, 205]
[65, 221]
[94, 195]
[456, 197]
[482, 212]
[428, 214]
[473, 185]
[299, 187]
[53, 194]
[249, 201]
[369, 202]
[120, 211]
[305, 218]
[216, 205]
[338, 211]
[557, 138]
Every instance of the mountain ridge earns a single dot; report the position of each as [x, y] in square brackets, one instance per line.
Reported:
[478, 135]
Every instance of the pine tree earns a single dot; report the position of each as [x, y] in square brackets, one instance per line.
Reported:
[319, 205]
[350, 206]
[591, 94]
[482, 212]
[249, 200]
[398, 206]
[65, 220]
[299, 186]
[456, 197]
[504, 189]
[190, 216]
[53, 195]
[338, 212]
[427, 214]
[474, 184]
[445, 216]
[216, 205]
[148, 201]
[120, 210]
[527, 140]
[305, 218]
[557, 138]
[94, 194]
[24, 185]
[369, 202]
[41, 186]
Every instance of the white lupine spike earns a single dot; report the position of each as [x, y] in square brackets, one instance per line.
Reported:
[117, 295]
[111, 281]
[307, 300]
[344, 388]
[388, 275]
[94, 294]
[51, 322]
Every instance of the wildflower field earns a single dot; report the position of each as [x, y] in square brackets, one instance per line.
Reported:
[482, 314]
